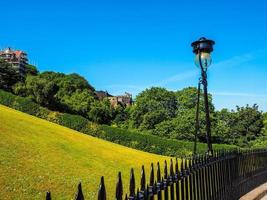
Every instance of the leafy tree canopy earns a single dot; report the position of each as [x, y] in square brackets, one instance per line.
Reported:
[101, 112]
[153, 106]
[187, 99]
[240, 126]
[38, 89]
[31, 70]
[8, 75]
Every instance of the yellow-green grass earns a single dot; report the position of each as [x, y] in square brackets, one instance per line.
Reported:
[36, 156]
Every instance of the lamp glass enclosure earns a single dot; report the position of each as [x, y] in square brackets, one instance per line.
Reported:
[205, 59]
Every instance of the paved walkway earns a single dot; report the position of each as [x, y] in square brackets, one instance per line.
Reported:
[256, 193]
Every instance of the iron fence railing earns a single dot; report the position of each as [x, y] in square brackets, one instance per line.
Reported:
[225, 176]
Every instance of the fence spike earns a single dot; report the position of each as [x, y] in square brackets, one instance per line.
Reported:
[151, 182]
[48, 196]
[132, 184]
[158, 173]
[119, 188]
[182, 164]
[79, 194]
[202, 159]
[155, 187]
[176, 166]
[146, 193]
[171, 169]
[126, 197]
[143, 179]
[190, 163]
[102, 190]
[193, 162]
[165, 170]
[137, 194]
[185, 163]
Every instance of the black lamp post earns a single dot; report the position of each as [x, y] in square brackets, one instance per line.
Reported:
[202, 49]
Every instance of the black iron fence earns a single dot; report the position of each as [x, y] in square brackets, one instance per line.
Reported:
[225, 176]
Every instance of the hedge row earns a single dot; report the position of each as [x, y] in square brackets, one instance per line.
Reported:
[155, 144]
[134, 139]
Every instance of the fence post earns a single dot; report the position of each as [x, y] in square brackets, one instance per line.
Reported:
[132, 185]
[143, 183]
[119, 188]
[171, 180]
[191, 179]
[198, 177]
[177, 174]
[186, 177]
[182, 179]
[159, 184]
[152, 187]
[143, 179]
[79, 194]
[202, 174]
[102, 190]
[207, 177]
[137, 194]
[48, 196]
[166, 182]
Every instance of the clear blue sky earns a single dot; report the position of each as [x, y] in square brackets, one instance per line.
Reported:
[131, 45]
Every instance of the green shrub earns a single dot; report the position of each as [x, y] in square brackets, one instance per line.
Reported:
[6, 98]
[26, 105]
[19, 103]
[44, 113]
[75, 122]
[154, 144]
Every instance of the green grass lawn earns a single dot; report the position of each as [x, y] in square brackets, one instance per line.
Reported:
[36, 156]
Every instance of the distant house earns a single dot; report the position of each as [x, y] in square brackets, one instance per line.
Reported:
[124, 100]
[17, 58]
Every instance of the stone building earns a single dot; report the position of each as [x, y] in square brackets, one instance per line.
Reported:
[125, 100]
[17, 58]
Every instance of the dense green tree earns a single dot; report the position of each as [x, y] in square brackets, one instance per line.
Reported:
[151, 119]
[153, 106]
[79, 102]
[187, 99]
[66, 93]
[38, 89]
[121, 115]
[8, 75]
[101, 112]
[70, 83]
[240, 126]
[31, 70]
[20, 89]
[67, 83]
[248, 124]
[182, 126]
[224, 121]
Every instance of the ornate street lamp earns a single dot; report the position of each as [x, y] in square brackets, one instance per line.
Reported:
[202, 49]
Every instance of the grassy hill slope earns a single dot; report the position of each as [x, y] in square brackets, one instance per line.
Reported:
[36, 156]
